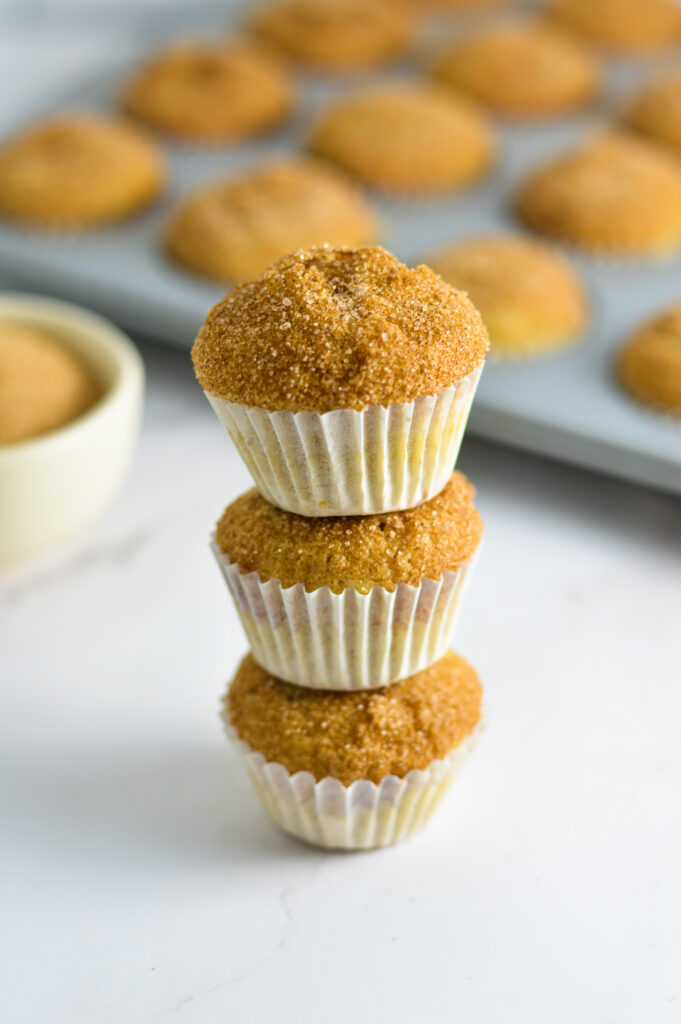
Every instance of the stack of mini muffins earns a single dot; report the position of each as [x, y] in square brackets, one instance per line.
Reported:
[345, 380]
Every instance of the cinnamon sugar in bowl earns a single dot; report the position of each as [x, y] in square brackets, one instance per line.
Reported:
[70, 397]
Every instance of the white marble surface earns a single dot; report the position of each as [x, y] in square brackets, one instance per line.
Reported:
[141, 882]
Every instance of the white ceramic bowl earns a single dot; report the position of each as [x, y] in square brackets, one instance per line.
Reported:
[55, 485]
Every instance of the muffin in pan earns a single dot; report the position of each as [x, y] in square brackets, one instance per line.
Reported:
[648, 365]
[558, 74]
[349, 602]
[78, 170]
[209, 92]
[464, 6]
[407, 139]
[336, 35]
[616, 194]
[354, 770]
[530, 297]
[233, 229]
[344, 378]
[655, 110]
[627, 26]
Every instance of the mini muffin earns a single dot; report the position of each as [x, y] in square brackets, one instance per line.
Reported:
[76, 171]
[43, 384]
[616, 194]
[628, 26]
[459, 5]
[233, 229]
[407, 139]
[524, 69]
[336, 35]
[530, 298]
[649, 364]
[210, 92]
[344, 378]
[354, 770]
[349, 602]
[656, 110]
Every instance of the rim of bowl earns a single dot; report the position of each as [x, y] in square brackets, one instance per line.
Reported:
[42, 311]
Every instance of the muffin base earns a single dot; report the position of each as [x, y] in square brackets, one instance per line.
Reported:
[346, 462]
[346, 641]
[361, 816]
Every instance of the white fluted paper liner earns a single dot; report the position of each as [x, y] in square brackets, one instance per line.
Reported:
[344, 462]
[346, 641]
[360, 816]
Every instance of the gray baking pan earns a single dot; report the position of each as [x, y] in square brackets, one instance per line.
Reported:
[565, 406]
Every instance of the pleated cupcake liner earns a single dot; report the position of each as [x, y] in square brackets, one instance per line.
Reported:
[345, 462]
[361, 816]
[347, 641]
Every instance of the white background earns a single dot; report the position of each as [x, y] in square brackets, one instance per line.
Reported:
[142, 883]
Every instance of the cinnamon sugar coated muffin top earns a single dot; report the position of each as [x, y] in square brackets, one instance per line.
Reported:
[43, 384]
[530, 297]
[631, 26]
[656, 109]
[361, 552]
[231, 230]
[334, 328]
[336, 35]
[616, 193]
[356, 735]
[407, 138]
[219, 90]
[459, 5]
[522, 69]
[649, 364]
[78, 170]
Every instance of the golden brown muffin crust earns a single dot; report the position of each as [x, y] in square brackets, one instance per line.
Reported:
[557, 75]
[357, 735]
[617, 193]
[215, 91]
[78, 170]
[336, 35]
[353, 551]
[656, 110]
[649, 364]
[43, 384]
[407, 139]
[458, 5]
[338, 329]
[530, 298]
[632, 26]
[232, 230]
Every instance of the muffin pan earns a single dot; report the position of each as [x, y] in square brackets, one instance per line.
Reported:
[567, 406]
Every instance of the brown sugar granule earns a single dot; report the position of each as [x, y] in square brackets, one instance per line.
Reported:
[524, 69]
[338, 329]
[233, 229]
[616, 193]
[353, 551]
[220, 90]
[336, 35]
[43, 385]
[649, 364]
[78, 170]
[630, 26]
[357, 735]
